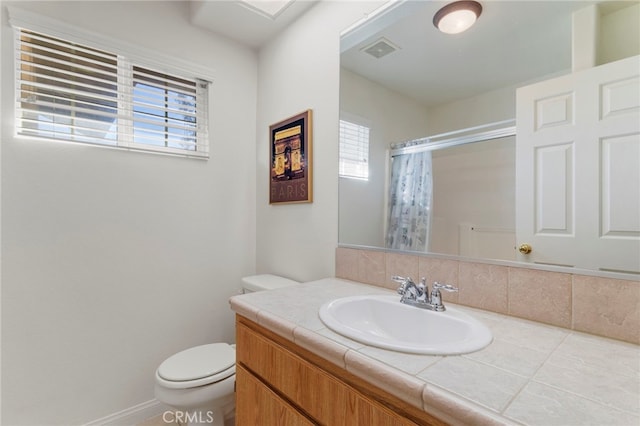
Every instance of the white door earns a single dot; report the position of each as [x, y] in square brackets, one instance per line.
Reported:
[578, 168]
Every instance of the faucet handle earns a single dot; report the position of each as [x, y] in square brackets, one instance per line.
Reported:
[403, 281]
[446, 287]
[436, 298]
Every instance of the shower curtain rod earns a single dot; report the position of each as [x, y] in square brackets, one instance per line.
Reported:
[497, 130]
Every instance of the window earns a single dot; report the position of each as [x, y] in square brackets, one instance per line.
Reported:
[354, 150]
[72, 92]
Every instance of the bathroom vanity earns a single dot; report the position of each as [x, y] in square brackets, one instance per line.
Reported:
[293, 370]
[293, 386]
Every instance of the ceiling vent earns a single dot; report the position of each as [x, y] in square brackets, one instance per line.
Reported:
[380, 48]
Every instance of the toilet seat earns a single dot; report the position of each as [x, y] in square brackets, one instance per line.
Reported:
[197, 366]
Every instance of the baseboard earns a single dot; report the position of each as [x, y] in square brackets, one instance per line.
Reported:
[132, 415]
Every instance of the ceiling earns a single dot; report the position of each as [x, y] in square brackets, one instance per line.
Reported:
[244, 21]
[512, 42]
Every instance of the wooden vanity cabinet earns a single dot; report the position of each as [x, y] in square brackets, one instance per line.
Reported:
[262, 406]
[280, 383]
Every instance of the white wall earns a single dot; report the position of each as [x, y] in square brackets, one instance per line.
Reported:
[619, 34]
[394, 118]
[490, 107]
[475, 184]
[114, 260]
[300, 69]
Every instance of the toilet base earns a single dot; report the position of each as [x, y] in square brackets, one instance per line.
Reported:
[219, 416]
[199, 417]
[202, 405]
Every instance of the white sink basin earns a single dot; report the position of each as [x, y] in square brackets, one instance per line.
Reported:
[384, 322]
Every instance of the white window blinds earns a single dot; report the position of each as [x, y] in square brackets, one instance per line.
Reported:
[73, 92]
[354, 150]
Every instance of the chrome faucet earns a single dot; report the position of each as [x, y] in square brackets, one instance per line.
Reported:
[418, 294]
[409, 290]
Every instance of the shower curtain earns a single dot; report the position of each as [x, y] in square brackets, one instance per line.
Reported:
[410, 198]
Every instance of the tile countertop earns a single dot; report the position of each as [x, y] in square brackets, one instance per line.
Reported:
[531, 374]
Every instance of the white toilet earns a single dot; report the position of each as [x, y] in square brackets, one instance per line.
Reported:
[198, 383]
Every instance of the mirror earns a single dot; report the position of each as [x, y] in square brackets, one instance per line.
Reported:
[404, 81]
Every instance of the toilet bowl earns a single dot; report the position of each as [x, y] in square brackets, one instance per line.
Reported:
[198, 383]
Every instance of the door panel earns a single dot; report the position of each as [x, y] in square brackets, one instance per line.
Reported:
[620, 204]
[554, 189]
[577, 168]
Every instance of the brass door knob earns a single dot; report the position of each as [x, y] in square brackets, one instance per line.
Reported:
[525, 248]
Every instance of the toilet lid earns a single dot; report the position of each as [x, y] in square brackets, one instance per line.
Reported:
[198, 362]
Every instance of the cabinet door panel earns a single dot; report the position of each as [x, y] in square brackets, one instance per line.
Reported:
[323, 397]
[259, 405]
[370, 414]
[312, 390]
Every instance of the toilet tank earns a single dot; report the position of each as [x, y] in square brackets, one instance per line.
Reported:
[265, 282]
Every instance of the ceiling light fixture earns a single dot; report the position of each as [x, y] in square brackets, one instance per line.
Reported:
[457, 17]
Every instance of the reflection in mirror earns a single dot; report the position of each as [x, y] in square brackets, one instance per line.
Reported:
[435, 84]
[454, 194]
[476, 210]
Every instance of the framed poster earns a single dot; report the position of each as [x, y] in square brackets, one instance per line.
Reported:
[290, 171]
